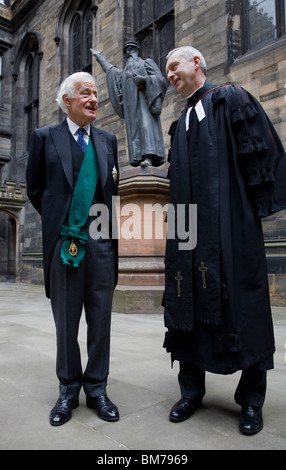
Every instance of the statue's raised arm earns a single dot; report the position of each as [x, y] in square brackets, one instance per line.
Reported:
[101, 60]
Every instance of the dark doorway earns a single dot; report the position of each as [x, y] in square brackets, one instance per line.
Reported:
[7, 247]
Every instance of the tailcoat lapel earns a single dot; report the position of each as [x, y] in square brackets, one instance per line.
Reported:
[61, 137]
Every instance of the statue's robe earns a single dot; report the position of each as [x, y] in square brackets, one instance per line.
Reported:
[140, 109]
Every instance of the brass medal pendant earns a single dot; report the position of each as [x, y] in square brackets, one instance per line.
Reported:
[72, 249]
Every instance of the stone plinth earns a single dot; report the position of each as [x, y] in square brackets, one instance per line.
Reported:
[143, 196]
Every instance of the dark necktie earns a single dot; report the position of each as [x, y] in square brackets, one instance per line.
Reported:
[81, 142]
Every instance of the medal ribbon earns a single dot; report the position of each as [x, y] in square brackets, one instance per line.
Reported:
[73, 233]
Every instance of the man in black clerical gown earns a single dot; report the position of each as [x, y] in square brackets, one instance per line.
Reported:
[226, 159]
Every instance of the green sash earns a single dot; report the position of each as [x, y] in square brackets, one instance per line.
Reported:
[73, 233]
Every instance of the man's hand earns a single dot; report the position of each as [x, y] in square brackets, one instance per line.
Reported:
[139, 80]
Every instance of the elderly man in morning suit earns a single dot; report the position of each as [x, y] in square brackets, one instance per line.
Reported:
[71, 166]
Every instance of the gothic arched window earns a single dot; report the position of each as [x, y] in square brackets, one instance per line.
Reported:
[81, 39]
[28, 105]
[1, 76]
[155, 29]
[31, 89]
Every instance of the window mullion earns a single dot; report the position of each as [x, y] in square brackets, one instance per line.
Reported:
[280, 17]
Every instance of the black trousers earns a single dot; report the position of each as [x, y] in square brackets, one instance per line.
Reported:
[250, 390]
[90, 286]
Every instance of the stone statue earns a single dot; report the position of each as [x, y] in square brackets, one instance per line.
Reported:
[137, 93]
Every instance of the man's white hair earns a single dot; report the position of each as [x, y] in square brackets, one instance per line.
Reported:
[189, 52]
[67, 87]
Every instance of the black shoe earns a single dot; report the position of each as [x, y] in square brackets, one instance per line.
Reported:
[104, 407]
[62, 411]
[251, 420]
[183, 409]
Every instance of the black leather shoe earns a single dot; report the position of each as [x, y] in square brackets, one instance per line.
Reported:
[104, 407]
[62, 411]
[183, 409]
[251, 420]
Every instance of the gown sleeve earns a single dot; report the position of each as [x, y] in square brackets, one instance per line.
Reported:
[259, 151]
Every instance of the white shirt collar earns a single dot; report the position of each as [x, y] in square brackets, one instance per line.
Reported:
[73, 127]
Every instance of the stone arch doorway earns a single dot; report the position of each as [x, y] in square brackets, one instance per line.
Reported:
[12, 203]
[8, 246]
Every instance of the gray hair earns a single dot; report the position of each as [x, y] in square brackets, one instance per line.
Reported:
[67, 87]
[189, 52]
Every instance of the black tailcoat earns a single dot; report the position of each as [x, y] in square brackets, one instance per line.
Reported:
[231, 164]
[50, 181]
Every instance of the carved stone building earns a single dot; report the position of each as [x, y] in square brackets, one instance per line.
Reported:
[244, 42]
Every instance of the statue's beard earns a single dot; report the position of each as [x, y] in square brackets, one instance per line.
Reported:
[131, 65]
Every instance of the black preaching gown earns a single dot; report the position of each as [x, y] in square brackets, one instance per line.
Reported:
[226, 159]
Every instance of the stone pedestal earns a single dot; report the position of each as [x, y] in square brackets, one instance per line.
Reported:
[143, 196]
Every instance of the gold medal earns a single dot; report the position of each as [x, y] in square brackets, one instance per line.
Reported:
[72, 249]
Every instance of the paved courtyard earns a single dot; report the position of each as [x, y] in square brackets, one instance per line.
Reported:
[142, 384]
